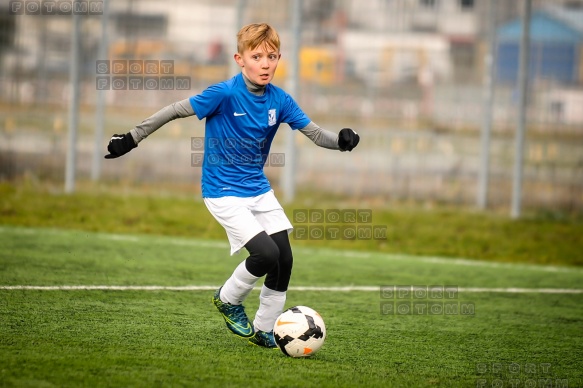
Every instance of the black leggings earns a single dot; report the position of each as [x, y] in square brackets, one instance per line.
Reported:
[271, 255]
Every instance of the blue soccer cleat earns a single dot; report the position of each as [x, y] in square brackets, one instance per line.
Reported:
[234, 316]
[263, 338]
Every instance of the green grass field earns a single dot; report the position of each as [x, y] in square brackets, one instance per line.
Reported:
[538, 238]
[141, 337]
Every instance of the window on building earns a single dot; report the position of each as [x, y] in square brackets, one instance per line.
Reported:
[134, 25]
[557, 111]
[428, 3]
[466, 4]
[574, 4]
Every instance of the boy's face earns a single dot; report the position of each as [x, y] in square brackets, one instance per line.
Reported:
[259, 64]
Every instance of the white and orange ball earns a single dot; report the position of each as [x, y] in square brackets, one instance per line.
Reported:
[299, 331]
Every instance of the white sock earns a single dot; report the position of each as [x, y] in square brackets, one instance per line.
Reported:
[270, 307]
[238, 286]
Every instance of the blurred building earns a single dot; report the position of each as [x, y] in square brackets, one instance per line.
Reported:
[409, 74]
[556, 39]
[556, 58]
[368, 49]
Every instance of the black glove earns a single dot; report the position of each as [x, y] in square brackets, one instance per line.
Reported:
[347, 139]
[120, 145]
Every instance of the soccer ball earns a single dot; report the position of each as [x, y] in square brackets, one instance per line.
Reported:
[299, 331]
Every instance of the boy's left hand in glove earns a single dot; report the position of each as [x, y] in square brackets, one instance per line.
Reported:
[347, 139]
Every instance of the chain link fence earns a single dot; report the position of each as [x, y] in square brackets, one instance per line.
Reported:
[408, 75]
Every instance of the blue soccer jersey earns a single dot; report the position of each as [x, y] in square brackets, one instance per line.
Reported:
[240, 127]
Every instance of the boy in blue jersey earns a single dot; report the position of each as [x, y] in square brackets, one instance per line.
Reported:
[242, 116]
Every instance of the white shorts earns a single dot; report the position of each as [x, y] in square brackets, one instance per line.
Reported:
[244, 218]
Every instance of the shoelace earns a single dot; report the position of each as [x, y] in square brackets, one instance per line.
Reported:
[268, 336]
[238, 311]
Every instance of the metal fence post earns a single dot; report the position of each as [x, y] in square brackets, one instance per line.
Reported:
[522, 107]
[489, 79]
[73, 104]
[99, 148]
[288, 178]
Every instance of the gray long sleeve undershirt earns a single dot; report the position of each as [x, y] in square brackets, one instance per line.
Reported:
[321, 137]
[171, 112]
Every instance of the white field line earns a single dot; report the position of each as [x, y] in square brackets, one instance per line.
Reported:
[356, 254]
[307, 251]
[510, 290]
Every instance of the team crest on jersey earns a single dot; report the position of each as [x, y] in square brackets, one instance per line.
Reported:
[272, 117]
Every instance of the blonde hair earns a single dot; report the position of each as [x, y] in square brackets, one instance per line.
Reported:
[254, 35]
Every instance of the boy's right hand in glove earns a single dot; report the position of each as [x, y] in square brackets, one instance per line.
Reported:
[120, 145]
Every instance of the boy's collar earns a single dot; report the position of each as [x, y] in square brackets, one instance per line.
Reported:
[258, 90]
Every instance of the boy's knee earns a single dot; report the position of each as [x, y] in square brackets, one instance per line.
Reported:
[269, 254]
[286, 263]
[263, 255]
